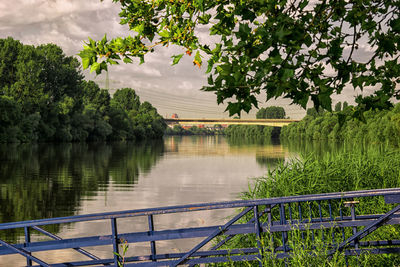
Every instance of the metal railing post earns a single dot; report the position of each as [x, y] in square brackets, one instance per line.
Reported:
[115, 241]
[351, 205]
[27, 241]
[152, 243]
[258, 235]
[283, 222]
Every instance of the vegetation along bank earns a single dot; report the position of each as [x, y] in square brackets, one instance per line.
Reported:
[258, 132]
[354, 168]
[43, 97]
[376, 126]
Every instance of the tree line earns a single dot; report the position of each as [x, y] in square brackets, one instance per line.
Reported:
[258, 132]
[376, 126]
[44, 97]
[373, 126]
[194, 130]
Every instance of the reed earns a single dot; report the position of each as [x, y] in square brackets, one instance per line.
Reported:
[354, 168]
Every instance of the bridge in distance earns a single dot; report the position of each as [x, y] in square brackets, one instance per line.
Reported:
[196, 121]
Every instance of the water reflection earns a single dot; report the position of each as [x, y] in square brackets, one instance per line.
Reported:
[269, 152]
[40, 181]
[44, 181]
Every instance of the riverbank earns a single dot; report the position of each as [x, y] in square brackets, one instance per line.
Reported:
[375, 126]
[354, 168]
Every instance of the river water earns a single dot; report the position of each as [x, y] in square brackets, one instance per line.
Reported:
[46, 180]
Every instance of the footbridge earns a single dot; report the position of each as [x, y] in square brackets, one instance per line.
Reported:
[204, 121]
[275, 228]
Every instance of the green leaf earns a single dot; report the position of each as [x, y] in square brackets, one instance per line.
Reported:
[233, 108]
[282, 33]
[244, 30]
[165, 34]
[210, 66]
[85, 62]
[103, 66]
[303, 100]
[287, 73]
[395, 24]
[127, 60]
[204, 19]
[303, 4]
[210, 80]
[112, 62]
[224, 69]
[104, 40]
[141, 57]
[139, 28]
[92, 42]
[95, 66]
[325, 101]
[308, 40]
[176, 58]
[276, 59]
[197, 58]
[200, 4]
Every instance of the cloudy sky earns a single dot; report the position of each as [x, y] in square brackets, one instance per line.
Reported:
[68, 23]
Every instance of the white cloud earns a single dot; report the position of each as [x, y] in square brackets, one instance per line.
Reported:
[68, 23]
[25, 12]
[186, 85]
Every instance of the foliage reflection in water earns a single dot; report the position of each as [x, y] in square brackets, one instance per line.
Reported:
[44, 180]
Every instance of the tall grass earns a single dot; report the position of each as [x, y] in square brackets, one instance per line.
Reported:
[354, 168]
[351, 169]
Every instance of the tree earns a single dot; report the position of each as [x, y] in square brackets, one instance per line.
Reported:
[60, 74]
[338, 106]
[43, 97]
[271, 112]
[9, 52]
[127, 99]
[301, 50]
[93, 95]
[313, 112]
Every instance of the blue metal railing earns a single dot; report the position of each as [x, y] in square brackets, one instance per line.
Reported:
[272, 218]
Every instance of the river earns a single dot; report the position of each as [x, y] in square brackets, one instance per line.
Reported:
[47, 180]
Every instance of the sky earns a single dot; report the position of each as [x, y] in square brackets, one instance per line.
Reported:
[171, 89]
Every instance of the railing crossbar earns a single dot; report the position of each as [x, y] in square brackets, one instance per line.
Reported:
[368, 229]
[199, 207]
[313, 213]
[24, 253]
[214, 234]
[55, 237]
[192, 232]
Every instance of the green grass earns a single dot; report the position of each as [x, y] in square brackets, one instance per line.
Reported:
[351, 169]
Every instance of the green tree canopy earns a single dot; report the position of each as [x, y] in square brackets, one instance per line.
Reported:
[127, 99]
[338, 106]
[93, 95]
[43, 97]
[300, 50]
[271, 112]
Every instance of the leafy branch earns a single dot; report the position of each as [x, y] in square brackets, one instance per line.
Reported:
[302, 50]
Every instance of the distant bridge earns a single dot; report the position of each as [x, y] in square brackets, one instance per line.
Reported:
[266, 122]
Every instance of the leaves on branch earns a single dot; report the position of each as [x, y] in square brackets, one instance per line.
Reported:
[301, 50]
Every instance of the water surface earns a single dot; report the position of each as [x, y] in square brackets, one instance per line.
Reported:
[47, 180]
